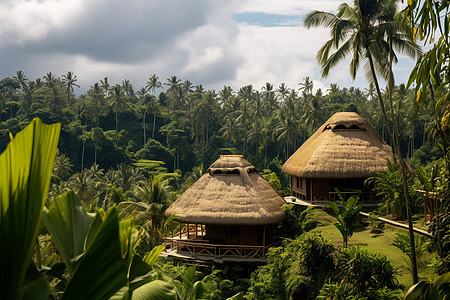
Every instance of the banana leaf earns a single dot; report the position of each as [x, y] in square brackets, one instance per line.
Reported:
[68, 223]
[102, 271]
[25, 171]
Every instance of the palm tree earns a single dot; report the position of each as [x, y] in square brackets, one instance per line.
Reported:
[225, 94]
[153, 83]
[62, 167]
[69, 80]
[270, 98]
[282, 91]
[128, 89]
[287, 131]
[143, 97]
[366, 31]
[105, 86]
[117, 102]
[172, 83]
[149, 211]
[22, 79]
[306, 86]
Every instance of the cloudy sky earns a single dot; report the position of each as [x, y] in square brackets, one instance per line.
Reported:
[214, 43]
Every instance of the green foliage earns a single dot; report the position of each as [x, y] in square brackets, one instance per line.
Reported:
[272, 179]
[402, 242]
[297, 220]
[315, 263]
[431, 290]
[299, 266]
[364, 271]
[389, 187]
[347, 216]
[441, 229]
[25, 171]
[69, 224]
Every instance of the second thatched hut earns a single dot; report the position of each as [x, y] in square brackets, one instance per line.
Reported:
[230, 211]
[341, 154]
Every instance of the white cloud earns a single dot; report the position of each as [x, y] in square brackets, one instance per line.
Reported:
[195, 40]
[24, 21]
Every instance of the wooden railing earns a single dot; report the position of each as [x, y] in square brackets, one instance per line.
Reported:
[363, 196]
[216, 250]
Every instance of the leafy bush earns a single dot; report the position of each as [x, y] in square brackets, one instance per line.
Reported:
[300, 266]
[297, 220]
[364, 271]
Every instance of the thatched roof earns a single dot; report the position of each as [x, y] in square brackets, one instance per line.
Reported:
[231, 192]
[346, 146]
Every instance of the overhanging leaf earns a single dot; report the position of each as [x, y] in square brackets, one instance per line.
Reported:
[155, 290]
[25, 171]
[102, 271]
[68, 223]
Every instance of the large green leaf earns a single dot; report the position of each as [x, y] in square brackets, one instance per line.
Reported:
[102, 271]
[68, 223]
[155, 290]
[25, 171]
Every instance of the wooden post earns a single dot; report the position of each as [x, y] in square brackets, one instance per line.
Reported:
[188, 229]
[264, 241]
[181, 226]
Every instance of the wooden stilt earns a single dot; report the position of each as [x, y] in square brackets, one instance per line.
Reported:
[264, 241]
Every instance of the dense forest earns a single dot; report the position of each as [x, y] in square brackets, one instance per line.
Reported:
[88, 200]
[186, 126]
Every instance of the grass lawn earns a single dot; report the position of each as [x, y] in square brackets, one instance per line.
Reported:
[376, 243]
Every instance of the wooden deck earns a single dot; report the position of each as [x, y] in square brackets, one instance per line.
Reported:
[197, 249]
[321, 203]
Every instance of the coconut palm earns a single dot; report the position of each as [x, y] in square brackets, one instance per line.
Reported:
[153, 83]
[117, 101]
[225, 94]
[22, 79]
[105, 86]
[172, 83]
[69, 80]
[149, 212]
[282, 91]
[306, 86]
[367, 31]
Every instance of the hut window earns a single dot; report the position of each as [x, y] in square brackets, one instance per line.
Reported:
[355, 127]
[339, 127]
[298, 182]
[234, 171]
[252, 170]
[217, 172]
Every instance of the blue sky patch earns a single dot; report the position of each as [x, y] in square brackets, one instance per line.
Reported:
[269, 20]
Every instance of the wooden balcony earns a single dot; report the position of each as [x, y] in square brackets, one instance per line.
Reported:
[205, 251]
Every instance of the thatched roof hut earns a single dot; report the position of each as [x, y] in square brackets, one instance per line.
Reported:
[341, 154]
[345, 146]
[231, 192]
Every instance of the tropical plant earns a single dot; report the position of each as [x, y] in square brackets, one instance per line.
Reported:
[25, 167]
[431, 290]
[401, 241]
[369, 32]
[298, 219]
[346, 215]
[364, 271]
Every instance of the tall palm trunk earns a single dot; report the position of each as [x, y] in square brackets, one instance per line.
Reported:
[154, 124]
[143, 127]
[397, 154]
[117, 121]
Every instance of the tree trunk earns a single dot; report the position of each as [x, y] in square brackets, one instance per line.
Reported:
[154, 123]
[396, 149]
[143, 126]
[82, 154]
[117, 122]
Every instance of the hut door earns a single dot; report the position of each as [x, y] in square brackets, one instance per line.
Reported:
[233, 235]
